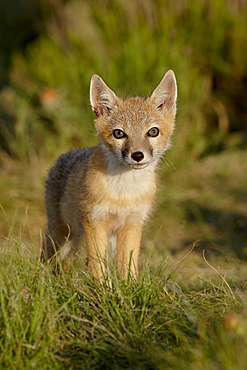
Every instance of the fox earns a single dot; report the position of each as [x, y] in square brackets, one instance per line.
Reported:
[105, 194]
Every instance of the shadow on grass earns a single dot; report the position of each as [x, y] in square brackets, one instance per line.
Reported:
[229, 228]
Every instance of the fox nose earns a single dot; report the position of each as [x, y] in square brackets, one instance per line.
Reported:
[137, 156]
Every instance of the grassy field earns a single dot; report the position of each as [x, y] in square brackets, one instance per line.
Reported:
[188, 308]
[71, 321]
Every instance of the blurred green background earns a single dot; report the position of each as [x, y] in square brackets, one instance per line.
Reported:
[48, 51]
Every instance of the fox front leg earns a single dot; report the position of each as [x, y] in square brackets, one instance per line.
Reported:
[128, 246]
[97, 241]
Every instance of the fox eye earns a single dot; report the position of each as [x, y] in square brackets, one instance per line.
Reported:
[118, 134]
[153, 132]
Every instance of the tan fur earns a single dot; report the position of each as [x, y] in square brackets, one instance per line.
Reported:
[109, 190]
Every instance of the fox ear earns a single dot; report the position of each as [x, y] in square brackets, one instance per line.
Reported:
[165, 94]
[101, 96]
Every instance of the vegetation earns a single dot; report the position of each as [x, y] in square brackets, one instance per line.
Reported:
[131, 45]
[70, 321]
[187, 309]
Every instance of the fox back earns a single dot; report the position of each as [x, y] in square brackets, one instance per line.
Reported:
[105, 193]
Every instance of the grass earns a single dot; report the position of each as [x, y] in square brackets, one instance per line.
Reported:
[204, 200]
[71, 321]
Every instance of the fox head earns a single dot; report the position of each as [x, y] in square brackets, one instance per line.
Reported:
[137, 130]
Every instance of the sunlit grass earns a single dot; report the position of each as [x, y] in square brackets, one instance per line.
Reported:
[73, 321]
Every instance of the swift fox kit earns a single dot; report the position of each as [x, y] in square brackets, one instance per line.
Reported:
[106, 192]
